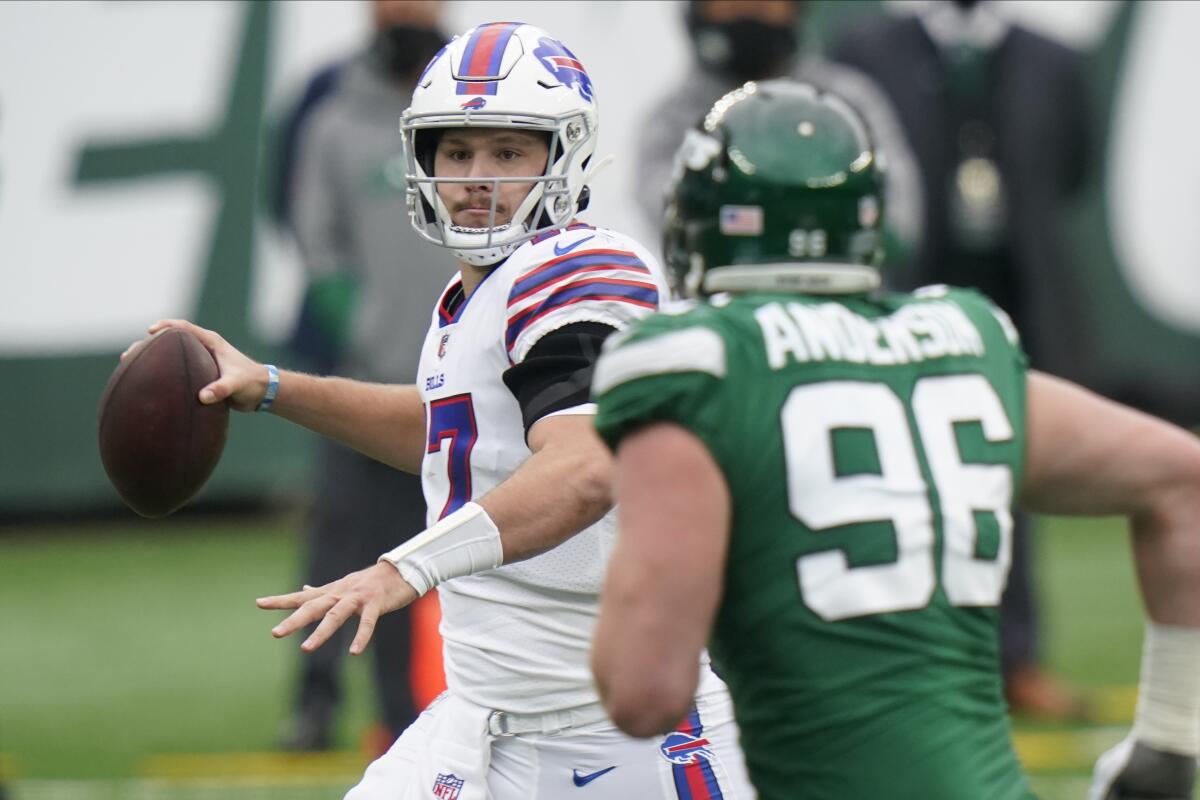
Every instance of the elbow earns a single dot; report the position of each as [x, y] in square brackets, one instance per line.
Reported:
[593, 483]
[642, 710]
[1174, 502]
[641, 699]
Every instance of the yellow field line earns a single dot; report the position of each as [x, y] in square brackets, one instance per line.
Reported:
[1040, 749]
[1070, 750]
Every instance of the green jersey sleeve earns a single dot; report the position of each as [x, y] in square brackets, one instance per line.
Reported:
[663, 369]
[990, 319]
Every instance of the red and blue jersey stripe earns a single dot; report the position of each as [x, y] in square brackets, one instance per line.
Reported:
[593, 276]
[483, 56]
[695, 780]
[568, 266]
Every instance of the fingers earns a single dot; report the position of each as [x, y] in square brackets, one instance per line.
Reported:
[217, 391]
[368, 593]
[242, 381]
[161, 325]
[324, 603]
[366, 627]
[335, 617]
[306, 615]
[292, 600]
[210, 339]
[200, 333]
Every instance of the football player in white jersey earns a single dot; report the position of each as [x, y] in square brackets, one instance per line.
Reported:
[500, 140]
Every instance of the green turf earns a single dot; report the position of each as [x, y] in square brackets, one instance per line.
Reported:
[127, 640]
[1093, 618]
[122, 643]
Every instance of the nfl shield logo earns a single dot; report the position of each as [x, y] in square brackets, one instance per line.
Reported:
[442, 345]
[447, 787]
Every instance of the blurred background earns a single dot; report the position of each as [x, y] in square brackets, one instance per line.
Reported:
[140, 152]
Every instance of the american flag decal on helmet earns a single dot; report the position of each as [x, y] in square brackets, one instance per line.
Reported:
[741, 220]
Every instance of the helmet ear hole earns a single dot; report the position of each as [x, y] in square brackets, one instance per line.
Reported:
[425, 145]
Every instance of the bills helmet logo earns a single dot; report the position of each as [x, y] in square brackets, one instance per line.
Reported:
[475, 103]
[447, 787]
[683, 748]
[564, 66]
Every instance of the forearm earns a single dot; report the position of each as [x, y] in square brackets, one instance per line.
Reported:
[664, 579]
[1166, 545]
[557, 492]
[1088, 455]
[385, 422]
[646, 670]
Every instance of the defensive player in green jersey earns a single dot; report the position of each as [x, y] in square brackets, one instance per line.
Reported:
[814, 478]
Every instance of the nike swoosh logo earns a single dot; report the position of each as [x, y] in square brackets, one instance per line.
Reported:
[558, 251]
[584, 780]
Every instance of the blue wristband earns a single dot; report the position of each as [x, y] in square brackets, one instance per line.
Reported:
[272, 388]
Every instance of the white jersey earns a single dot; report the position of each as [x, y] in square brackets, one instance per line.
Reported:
[517, 638]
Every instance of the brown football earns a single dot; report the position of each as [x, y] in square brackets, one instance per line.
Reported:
[158, 442]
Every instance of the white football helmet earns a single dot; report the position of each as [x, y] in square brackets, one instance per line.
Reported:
[502, 75]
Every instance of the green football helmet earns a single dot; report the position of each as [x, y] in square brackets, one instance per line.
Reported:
[777, 189]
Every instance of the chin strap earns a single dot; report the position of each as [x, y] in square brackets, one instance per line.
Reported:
[595, 168]
[799, 278]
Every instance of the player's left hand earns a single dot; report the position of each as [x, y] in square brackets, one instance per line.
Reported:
[368, 593]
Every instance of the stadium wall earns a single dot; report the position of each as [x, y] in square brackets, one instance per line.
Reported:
[134, 155]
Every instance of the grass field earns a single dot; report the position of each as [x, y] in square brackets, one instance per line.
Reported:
[134, 663]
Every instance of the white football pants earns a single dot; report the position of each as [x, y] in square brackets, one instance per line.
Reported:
[453, 751]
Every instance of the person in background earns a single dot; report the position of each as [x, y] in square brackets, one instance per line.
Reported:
[814, 478]
[371, 280]
[734, 41]
[997, 119]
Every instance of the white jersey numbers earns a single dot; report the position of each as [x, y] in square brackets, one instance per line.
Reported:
[897, 492]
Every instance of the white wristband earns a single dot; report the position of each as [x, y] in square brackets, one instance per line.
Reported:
[462, 543]
[1168, 707]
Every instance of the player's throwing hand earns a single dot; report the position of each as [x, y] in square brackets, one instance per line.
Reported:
[243, 380]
